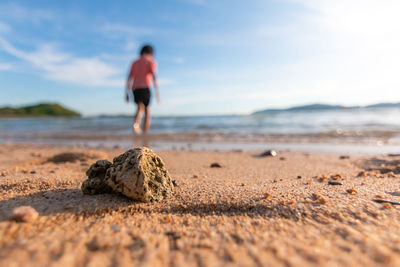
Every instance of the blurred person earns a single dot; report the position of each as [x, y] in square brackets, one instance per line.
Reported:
[141, 77]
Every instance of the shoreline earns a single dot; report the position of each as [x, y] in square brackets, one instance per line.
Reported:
[162, 145]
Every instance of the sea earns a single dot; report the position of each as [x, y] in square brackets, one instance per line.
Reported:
[354, 130]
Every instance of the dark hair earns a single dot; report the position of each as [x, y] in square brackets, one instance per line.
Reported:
[146, 49]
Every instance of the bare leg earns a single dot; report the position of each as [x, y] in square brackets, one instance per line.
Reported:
[138, 118]
[147, 119]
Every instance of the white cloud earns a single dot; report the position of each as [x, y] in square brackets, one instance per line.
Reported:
[18, 12]
[5, 66]
[61, 66]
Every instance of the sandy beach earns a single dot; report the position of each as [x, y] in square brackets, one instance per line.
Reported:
[253, 211]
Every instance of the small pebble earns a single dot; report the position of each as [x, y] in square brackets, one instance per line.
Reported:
[215, 165]
[334, 183]
[195, 176]
[33, 172]
[386, 201]
[387, 206]
[351, 191]
[115, 228]
[169, 219]
[391, 175]
[267, 195]
[318, 198]
[269, 153]
[362, 174]
[24, 214]
[299, 177]
[395, 193]
[174, 183]
[344, 157]
[336, 177]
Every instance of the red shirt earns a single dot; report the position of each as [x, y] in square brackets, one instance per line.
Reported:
[142, 72]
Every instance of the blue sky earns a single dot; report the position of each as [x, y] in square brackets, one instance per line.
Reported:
[214, 56]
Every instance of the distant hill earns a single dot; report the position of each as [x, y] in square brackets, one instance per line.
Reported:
[384, 105]
[323, 107]
[38, 110]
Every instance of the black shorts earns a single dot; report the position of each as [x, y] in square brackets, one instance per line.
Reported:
[142, 95]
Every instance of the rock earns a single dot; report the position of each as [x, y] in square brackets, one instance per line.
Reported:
[322, 179]
[362, 174]
[336, 177]
[351, 191]
[140, 175]
[24, 214]
[334, 183]
[267, 195]
[386, 201]
[215, 165]
[318, 198]
[95, 184]
[269, 153]
[387, 206]
[394, 193]
[344, 157]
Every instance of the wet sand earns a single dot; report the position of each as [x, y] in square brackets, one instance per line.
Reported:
[251, 212]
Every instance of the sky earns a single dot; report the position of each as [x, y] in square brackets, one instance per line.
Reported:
[214, 56]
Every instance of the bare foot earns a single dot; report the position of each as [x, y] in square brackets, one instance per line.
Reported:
[136, 129]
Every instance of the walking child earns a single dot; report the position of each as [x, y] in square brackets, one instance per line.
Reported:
[141, 77]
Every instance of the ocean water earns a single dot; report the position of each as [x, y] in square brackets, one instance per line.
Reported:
[379, 125]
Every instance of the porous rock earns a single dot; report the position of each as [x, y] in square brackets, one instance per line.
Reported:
[138, 174]
[95, 184]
